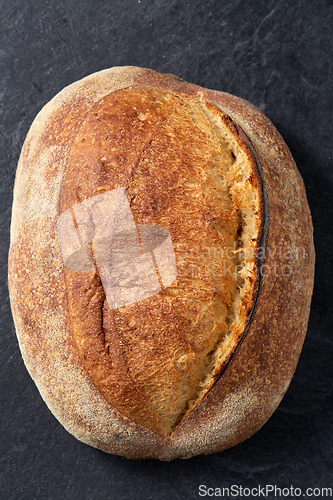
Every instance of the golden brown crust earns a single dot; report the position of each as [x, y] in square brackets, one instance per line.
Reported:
[258, 373]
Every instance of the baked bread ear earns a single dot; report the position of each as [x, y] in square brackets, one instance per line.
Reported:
[161, 264]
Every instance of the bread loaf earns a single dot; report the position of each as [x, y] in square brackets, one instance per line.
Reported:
[161, 264]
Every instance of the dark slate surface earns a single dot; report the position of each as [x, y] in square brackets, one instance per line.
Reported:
[276, 54]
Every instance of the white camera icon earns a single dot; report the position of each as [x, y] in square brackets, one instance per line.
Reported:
[133, 262]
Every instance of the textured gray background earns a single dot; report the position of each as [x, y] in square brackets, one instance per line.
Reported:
[276, 54]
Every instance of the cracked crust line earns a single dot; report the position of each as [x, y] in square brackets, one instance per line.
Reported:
[148, 149]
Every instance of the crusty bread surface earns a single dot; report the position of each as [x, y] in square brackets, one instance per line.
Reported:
[202, 364]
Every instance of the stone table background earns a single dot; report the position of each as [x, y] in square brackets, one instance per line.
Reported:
[278, 55]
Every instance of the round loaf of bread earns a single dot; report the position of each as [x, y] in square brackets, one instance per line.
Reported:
[161, 264]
